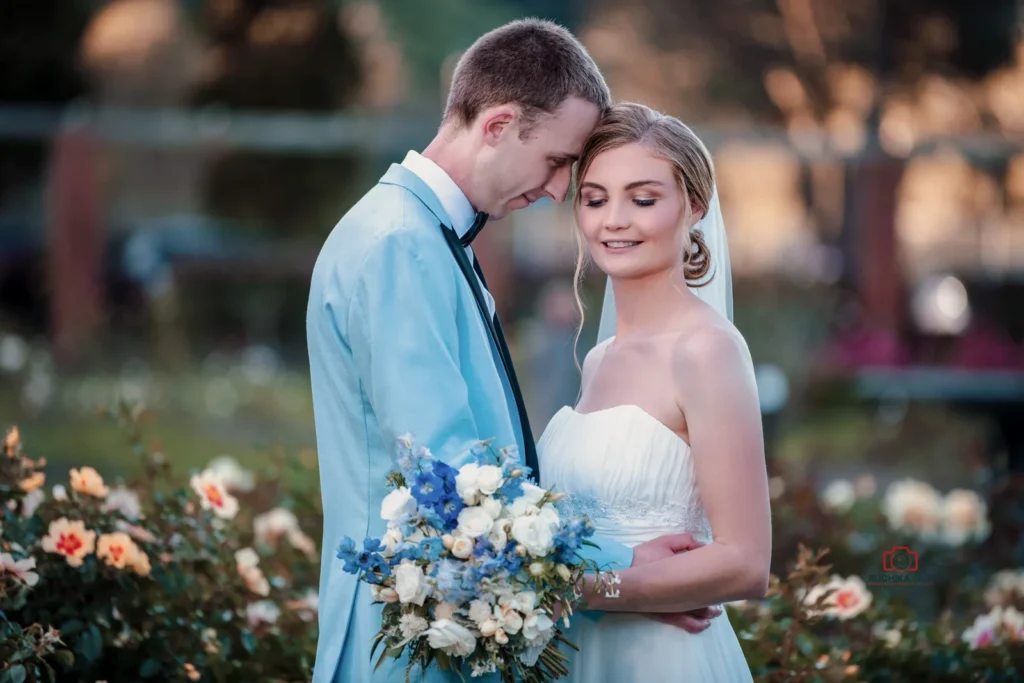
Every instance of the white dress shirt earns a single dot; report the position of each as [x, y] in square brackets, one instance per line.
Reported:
[453, 201]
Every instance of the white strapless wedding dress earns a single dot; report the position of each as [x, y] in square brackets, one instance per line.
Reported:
[634, 478]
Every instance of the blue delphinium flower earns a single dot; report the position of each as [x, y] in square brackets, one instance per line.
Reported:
[428, 489]
[431, 516]
[347, 552]
[366, 561]
[447, 474]
[431, 549]
[512, 488]
[450, 507]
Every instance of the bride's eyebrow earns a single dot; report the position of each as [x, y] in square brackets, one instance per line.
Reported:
[641, 183]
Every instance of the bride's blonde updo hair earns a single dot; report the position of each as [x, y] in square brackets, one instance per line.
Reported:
[673, 141]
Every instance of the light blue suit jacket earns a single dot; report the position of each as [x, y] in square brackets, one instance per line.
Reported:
[396, 344]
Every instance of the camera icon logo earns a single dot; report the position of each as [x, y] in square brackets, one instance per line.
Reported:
[899, 558]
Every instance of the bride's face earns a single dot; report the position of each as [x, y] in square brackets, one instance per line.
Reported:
[632, 213]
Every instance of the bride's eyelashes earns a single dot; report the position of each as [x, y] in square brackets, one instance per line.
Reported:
[594, 203]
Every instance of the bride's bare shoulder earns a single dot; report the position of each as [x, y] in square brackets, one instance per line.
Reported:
[714, 342]
[593, 360]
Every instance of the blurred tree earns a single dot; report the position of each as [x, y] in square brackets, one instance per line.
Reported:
[283, 56]
[38, 47]
[431, 34]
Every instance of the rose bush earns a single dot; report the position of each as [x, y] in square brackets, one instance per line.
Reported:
[920, 585]
[211, 575]
[152, 580]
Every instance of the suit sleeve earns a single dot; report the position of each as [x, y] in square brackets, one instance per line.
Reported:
[405, 343]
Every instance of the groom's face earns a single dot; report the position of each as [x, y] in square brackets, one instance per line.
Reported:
[518, 171]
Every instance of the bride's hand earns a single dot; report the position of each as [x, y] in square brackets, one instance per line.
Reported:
[694, 621]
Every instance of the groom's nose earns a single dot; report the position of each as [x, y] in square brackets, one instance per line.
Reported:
[558, 185]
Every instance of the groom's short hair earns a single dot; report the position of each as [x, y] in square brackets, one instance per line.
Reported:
[532, 63]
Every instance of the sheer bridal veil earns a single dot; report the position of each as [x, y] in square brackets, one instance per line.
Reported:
[717, 292]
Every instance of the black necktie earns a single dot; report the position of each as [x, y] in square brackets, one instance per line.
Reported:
[478, 225]
[530, 456]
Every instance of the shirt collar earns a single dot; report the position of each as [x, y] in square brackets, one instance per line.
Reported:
[453, 200]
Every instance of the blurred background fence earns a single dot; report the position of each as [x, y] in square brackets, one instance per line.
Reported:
[169, 169]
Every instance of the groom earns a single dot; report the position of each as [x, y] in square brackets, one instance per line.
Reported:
[402, 332]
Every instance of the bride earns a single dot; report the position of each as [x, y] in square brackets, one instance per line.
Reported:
[666, 436]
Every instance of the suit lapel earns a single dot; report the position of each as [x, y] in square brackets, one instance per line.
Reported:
[399, 175]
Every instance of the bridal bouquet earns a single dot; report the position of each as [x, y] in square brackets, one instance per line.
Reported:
[472, 567]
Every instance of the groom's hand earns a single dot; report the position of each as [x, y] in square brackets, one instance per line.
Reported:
[664, 547]
[693, 621]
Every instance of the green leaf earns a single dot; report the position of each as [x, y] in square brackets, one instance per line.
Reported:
[383, 656]
[90, 644]
[15, 674]
[150, 668]
[804, 642]
[249, 641]
[66, 658]
[71, 627]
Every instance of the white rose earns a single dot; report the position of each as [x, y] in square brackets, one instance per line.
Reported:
[492, 506]
[397, 504]
[528, 500]
[536, 625]
[497, 536]
[474, 521]
[410, 584]
[457, 640]
[549, 514]
[390, 541]
[532, 494]
[466, 483]
[462, 548]
[479, 611]
[489, 479]
[535, 534]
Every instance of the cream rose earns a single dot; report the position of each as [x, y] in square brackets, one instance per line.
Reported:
[410, 584]
[462, 547]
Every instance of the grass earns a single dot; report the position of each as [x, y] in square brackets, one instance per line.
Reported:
[255, 435]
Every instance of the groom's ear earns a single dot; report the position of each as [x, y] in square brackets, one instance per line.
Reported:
[496, 122]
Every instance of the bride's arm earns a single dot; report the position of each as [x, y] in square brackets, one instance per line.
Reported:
[718, 396]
